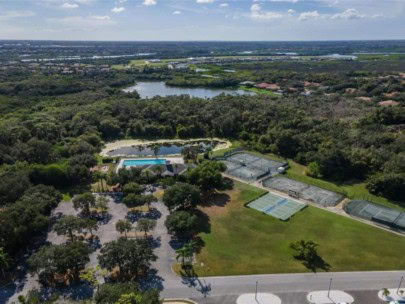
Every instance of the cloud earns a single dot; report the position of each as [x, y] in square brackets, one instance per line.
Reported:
[100, 17]
[78, 23]
[350, 13]
[176, 13]
[258, 14]
[292, 1]
[291, 11]
[205, 1]
[224, 5]
[255, 8]
[16, 14]
[69, 5]
[118, 9]
[266, 15]
[149, 2]
[308, 15]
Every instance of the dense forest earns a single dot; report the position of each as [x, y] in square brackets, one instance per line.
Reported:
[53, 126]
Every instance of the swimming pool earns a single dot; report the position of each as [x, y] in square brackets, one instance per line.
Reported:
[143, 162]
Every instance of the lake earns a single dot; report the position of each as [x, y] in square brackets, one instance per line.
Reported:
[149, 89]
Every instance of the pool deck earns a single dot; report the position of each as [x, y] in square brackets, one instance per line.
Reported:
[169, 160]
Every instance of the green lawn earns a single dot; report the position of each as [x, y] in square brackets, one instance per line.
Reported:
[245, 241]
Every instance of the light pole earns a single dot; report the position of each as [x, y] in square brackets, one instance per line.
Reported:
[256, 292]
[330, 284]
[400, 282]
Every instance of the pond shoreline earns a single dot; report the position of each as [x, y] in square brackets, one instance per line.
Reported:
[135, 142]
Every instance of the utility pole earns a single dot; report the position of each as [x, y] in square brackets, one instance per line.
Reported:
[330, 285]
[400, 282]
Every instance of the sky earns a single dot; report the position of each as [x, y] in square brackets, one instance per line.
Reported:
[235, 20]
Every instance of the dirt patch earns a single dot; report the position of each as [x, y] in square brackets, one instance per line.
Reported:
[216, 204]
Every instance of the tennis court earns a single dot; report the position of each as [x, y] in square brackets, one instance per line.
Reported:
[381, 215]
[314, 194]
[249, 167]
[277, 206]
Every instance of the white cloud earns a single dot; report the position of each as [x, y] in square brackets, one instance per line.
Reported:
[176, 13]
[292, 1]
[255, 8]
[224, 5]
[265, 15]
[16, 14]
[69, 5]
[308, 15]
[149, 2]
[350, 13]
[205, 1]
[100, 17]
[118, 9]
[258, 14]
[291, 11]
[84, 1]
[78, 23]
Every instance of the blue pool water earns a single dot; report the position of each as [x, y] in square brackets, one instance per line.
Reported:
[143, 162]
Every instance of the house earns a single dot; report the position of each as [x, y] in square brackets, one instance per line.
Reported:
[262, 85]
[174, 169]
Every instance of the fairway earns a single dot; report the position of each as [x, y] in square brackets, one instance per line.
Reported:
[243, 241]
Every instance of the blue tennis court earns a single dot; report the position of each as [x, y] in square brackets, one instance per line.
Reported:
[277, 206]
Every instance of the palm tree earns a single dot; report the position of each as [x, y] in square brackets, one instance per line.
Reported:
[4, 261]
[186, 251]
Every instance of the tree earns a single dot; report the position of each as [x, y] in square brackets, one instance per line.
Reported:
[111, 293]
[185, 252]
[132, 188]
[123, 226]
[181, 196]
[59, 259]
[149, 199]
[132, 257]
[84, 202]
[134, 200]
[190, 153]
[91, 225]
[306, 250]
[207, 175]
[181, 223]
[130, 298]
[385, 292]
[145, 225]
[5, 261]
[68, 225]
[102, 204]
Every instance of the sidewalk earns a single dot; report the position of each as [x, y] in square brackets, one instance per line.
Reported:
[334, 297]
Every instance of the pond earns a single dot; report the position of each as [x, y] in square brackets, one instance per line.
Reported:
[161, 149]
[149, 89]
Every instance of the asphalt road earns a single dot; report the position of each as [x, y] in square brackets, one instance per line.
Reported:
[281, 283]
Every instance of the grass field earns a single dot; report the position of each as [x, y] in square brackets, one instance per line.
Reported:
[245, 241]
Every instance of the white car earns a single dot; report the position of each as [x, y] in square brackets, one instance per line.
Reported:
[397, 302]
